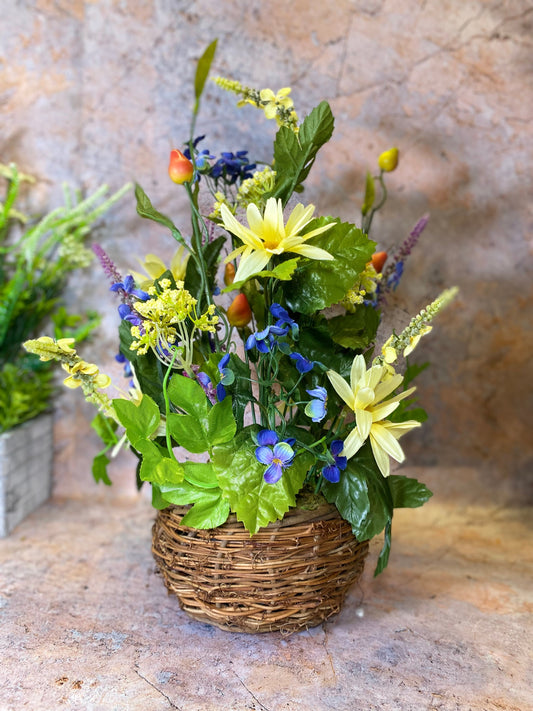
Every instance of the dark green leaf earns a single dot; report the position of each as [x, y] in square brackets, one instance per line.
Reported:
[105, 428]
[207, 514]
[383, 559]
[202, 70]
[407, 492]
[294, 156]
[319, 284]
[357, 330]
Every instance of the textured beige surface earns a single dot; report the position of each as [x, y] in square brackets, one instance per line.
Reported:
[87, 625]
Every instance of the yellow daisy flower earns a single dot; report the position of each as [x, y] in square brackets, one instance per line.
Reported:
[268, 235]
[154, 267]
[365, 396]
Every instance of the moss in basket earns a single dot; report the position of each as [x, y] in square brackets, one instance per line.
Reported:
[275, 391]
[37, 255]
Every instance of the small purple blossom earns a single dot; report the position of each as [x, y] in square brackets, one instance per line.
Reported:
[107, 264]
[332, 472]
[394, 269]
[277, 455]
[207, 385]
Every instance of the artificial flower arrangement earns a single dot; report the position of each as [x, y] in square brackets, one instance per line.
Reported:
[281, 393]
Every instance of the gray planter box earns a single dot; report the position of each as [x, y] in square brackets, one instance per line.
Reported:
[26, 459]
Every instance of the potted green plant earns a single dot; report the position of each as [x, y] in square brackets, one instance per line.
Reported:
[265, 423]
[36, 257]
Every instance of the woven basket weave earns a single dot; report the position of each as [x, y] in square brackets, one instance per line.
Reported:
[291, 575]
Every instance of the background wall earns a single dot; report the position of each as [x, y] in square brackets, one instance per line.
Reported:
[100, 90]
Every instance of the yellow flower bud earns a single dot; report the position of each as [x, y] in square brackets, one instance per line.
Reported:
[388, 161]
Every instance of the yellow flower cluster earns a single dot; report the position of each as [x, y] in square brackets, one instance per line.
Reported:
[251, 190]
[279, 106]
[81, 373]
[365, 287]
[165, 324]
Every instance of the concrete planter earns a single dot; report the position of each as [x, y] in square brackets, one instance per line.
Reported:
[26, 458]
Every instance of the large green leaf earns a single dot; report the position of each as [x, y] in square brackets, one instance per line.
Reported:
[318, 284]
[221, 425]
[357, 330]
[295, 155]
[407, 492]
[157, 468]
[210, 508]
[201, 474]
[140, 421]
[240, 476]
[350, 496]
[188, 395]
[188, 432]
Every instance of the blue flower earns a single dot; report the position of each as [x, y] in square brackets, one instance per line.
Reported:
[120, 358]
[232, 167]
[316, 408]
[277, 455]
[128, 314]
[128, 287]
[303, 365]
[283, 319]
[227, 377]
[201, 158]
[394, 279]
[332, 472]
[265, 340]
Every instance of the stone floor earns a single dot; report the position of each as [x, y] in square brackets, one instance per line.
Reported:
[87, 625]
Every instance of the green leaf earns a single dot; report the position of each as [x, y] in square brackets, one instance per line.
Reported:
[99, 469]
[318, 284]
[200, 474]
[294, 156]
[193, 280]
[207, 514]
[407, 492]
[188, 395]
[282, 271]
[140, 421]
[188, 432]
[221, 425]
[202, 71]
[370, 194]
[157, 468]
[383, 559]
[240, 476]
[145, 209]
[158, 502]
[105, 428]
[350, 496]
[357, 330]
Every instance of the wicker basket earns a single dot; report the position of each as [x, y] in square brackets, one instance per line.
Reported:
[289, 576]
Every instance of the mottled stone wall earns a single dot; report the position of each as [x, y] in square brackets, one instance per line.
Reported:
[99, 91]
